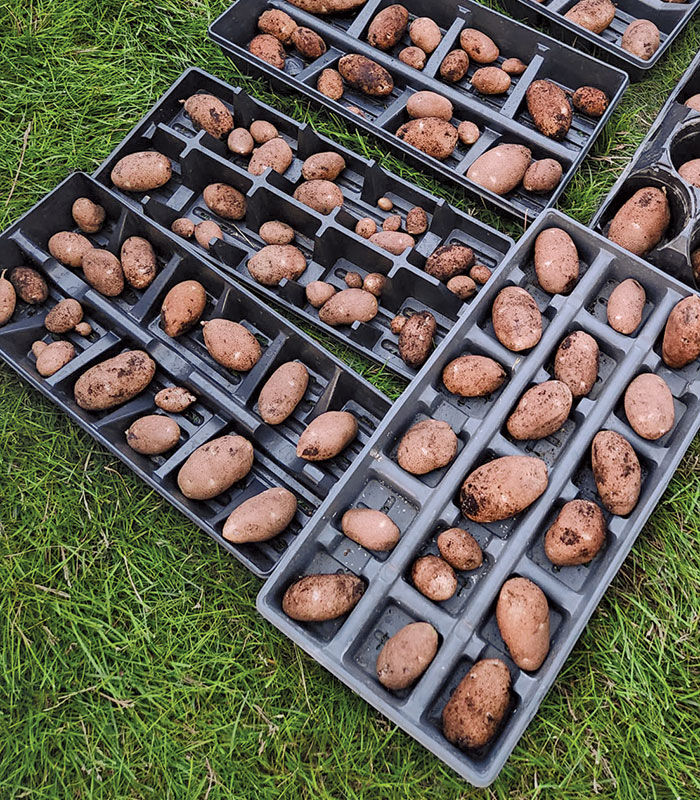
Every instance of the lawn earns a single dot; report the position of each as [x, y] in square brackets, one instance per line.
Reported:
[133, 663]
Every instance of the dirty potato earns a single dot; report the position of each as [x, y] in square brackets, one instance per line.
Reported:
[577, 535]
[503, 488]
[153, 434]
[576, 362]
[142, 172]
[517, 321]
[261, 517]
[366, 75]
[617, 472]
[208, 113]
[231, 345]
[318, 598]
[406, 656]
[64, 316]
[103, 271]
[225, 201]
[69, 248]
[88, 216]
[282, 392]
[681, 342]
[327, 436]
[182, 307]
[431, 135]
[138, 260]
[416, 339]
[473, 376]
[541, 411]
[642, 221]
[426, 446]
[114, 381]
[215, 466]
[277, 262]
[460, 549]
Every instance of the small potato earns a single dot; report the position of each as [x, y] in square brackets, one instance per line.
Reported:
[426, 446]
[397, 324]
[103, 271]
[541, 411]
[641, 38]
[393, 241]
[54, 357]
[594, 15]
[38, 347]
[681, 343]
[649, 406]
[240, 142]
[454, 66]
[503, 488]
[542, 176]
[366, 227]
[210, 114]
[275, 232]
[348, 306]
[318, 598]
[425, 34]
[517, 321]
[387, 28]
[690, 172]
[434, 578]
[174, 399]
[8, 299]
[460, 549]
[275, 262]
[449, 260]
[513, 66]
[480, 274]
[491, 80]
[556, 261]
[308, 43]
[142, 172]
[406, 656]
[416, 221]
[385, 203]
[323, 166]
[278, 24]
[626, 306]
[83, 329]
[693, 102]
[261, 517]
[64, 316]
[416, 339]
[282, 392]
[576, 363]
[69, 248]
[327, 436]
[431, 135]
[275, 154]
[330, 84]
[413, 57]
[468, 133]
[231, 345]
[371, 529]
[590, 101]
[182, 307]
[642, 221]
[549, 108]
[617, 472]
[321, 196]
[353, 280]
[473, 376]
[205, 232]
[269, 49]
[138, 261]
[577, 535]
[114, 381]
[522, 614]
[215, 466]
[319, 292]
[366, 75]
[263, 131]
[183, 227]
[478, 46]
[374, 283]
[225, 201]
[462, 286]
[88, 216]
[392, 223]
[153, 434]
[429, 104]
[478, 705]
[501, 168]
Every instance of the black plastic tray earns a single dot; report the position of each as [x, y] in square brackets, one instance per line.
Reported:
[329, 242]
[673, 139]
[422, 507]
[226, 401]
[501, 118]
[669, 17]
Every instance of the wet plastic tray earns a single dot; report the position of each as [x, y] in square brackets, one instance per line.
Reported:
[226, 400]
[668, 16]
[330, 244]
[422, 507]
[673, 139]
[500, 118]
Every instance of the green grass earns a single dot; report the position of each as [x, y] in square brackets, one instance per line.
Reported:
[133, 662]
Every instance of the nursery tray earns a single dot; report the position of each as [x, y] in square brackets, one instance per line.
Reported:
[226, 400]
[500, 118]
[424, 506]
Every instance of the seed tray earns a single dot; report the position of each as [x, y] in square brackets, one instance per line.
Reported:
[501, 118]
[226, 400]
[673, 139]
[423, 506]
[669, 17]
[329, 243]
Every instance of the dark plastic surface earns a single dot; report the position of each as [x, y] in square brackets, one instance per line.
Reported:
[424, 506]
[330, 244]
[226, 400]
[501, 118]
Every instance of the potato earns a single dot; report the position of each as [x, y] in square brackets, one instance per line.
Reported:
[626, 306]
[385, 203]
[413, 57]
[353, 280]
[617, 472]
[103, 271]
[426, 446]
[69, 248]
[542, 176]
[269, 49]
[330, 84]
[240, 142]
[433, 136]
[463, 286]
[348, 306]
[576, 363]
[318, 598]
[434, 578]
[641, 222]
[577, 535]
[225, 201]
[182, 307]
[64, 316]
[308, 43]
[327, 6]
[641, 38]
[142, 172]
[319, 292]
[210, 114]
[282, 392]
[693, 102]
[549, 108]
[387, 28]
[541, 411]
[276, 262]
[460, 549]
[8, 299]
[323, 166]
[392, 223]
[594, 15]
[327, 436]
[38, 347]
[231, 345]
[374, 283]
[366, 75]
[501, 168]
[263, 131]
[522, 614]
[681, 342]
[590, 101]
[503, 488]
[406, 656]
[480, 273]
[215, 466]
[174, 399]
[556, 261]
[478, 46]
[416, 221]
[207, 231]
[138, 260]
[278, 24]
[429, 104]
[275, 154]
[473, 376]
[83, 329]
[397, 324]
[275, 232]
[468, 133]
[690, 171]
[517, 321]
[649, 406]
[425, 34]
[513, 66]
[393, 241]
[153, 434]
[114, 381]
[454, 66]
[416, 339]
[449, 260]
[53, 357]
[183, 227]
[88, 216]
[261, 517]
[491, 80]
[366, 227]
[322, 196]
[372, 529]
[478, 705]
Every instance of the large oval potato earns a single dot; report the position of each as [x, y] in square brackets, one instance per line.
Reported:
[641, 222]
[501, 168]
[69, 248]
[393, 242]
[626, 306]
[29, 285]
[278, 24]
[681, 343]
[429, 444]
[522, 614]
[182, 307]
[231, 345]
[275, 154]
[594, 15]
[478, 46]
[542, 176]
[323, 196]
[153, 434]
[275, 262]
[576, 362]
[577, 535]
[210, 114]
[517, 321]
[491, 80]
[327, 436]
[317, 598]
[371, 529]
[215, 466]
[454, 66]
[473, 376]
[387, 28]
[64, 316]
[503, 488]
[425, 33]
[449, 260]
[434, 136]
[138, 261]
[434, 578]
[649, 406]
[407, 655]
[460, 549]
[308, 43]
[261, 517]
[348, 306]
[269, 49]
[142, 172]
[324, 166]
[416, 339]
[541, 411]
[556, 261]
[225, 201]
[103, 271]
[617, 472]
[114, 381]
[366, 75]
[549, 108]
[282, 392]
[429, 104]
[641, 38]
